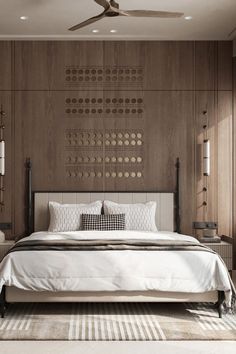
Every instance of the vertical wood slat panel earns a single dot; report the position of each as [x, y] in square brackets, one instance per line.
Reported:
[114, 197]
[205, 101]
[96, 196]
[41, 212]
[69, 198]
[5, 65]
[125, 198]
[225, 162]
[225, 67]
[83, 198]
[55, 197]
[139, 197]
[205, 65]
[157, 198]
[167, 211]
[7, 211]
[234, 160]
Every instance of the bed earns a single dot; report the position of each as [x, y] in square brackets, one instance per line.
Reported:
[123, 272]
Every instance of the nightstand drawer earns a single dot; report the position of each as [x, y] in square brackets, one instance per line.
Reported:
[228, 262]
[4, 247]
[224, 249]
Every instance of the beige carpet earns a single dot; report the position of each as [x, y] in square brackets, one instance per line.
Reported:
[116, 322]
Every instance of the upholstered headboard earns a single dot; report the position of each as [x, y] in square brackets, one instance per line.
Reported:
[164, 212]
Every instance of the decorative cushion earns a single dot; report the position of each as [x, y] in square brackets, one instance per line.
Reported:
[140, 216]
[103, 222]
[67, 217]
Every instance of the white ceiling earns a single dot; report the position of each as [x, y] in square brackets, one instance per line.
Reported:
[50, 19]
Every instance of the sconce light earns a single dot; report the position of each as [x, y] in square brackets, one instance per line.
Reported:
[2, 156]
[206, 157]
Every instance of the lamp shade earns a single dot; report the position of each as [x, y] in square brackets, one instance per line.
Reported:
[2, 149]
[2, 166]
[206, 157]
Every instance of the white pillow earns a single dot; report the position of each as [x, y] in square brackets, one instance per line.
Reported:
[140, 216]
[66, 217]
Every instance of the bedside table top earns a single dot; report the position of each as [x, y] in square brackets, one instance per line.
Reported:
[222, 243]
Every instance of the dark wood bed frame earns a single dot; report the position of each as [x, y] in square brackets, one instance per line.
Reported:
[30, 224]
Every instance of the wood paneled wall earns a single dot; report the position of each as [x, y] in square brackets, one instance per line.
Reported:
[234, 159]
[175, 83]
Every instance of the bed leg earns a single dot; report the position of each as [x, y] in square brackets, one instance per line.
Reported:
[221, 297]
[3, 302]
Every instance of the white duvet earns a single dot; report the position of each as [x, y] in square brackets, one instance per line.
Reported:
[177, 271]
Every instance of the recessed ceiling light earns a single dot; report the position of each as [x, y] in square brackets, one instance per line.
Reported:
[188, 18]
[113, 31]
[95, 30]
[24, 18]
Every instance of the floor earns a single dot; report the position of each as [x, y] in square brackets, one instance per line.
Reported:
[73, 347]
[118, 347]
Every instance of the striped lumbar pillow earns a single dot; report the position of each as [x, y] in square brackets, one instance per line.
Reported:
[103, 222]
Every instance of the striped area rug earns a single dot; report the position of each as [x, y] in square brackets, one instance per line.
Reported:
[116, 322]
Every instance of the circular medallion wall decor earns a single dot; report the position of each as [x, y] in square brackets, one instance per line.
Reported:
[122, 149]
[105, 76]
[97, 107]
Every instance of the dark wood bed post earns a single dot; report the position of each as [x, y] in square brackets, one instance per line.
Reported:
[3, 301]
[221, 298]
[29, 215]
[177, 203]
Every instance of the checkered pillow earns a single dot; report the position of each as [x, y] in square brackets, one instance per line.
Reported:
[103, 222]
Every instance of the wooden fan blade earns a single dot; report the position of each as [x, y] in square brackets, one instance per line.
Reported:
[87, 22]
[149, 13]
[114, 4]
[103, 3]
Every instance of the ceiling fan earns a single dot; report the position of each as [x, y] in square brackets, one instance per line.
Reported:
[111, 9]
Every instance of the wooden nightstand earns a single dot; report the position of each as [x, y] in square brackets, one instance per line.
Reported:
[4, 247]
[224, 249]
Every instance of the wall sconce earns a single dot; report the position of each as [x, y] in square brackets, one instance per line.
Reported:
[2, 157]
[206, 157]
